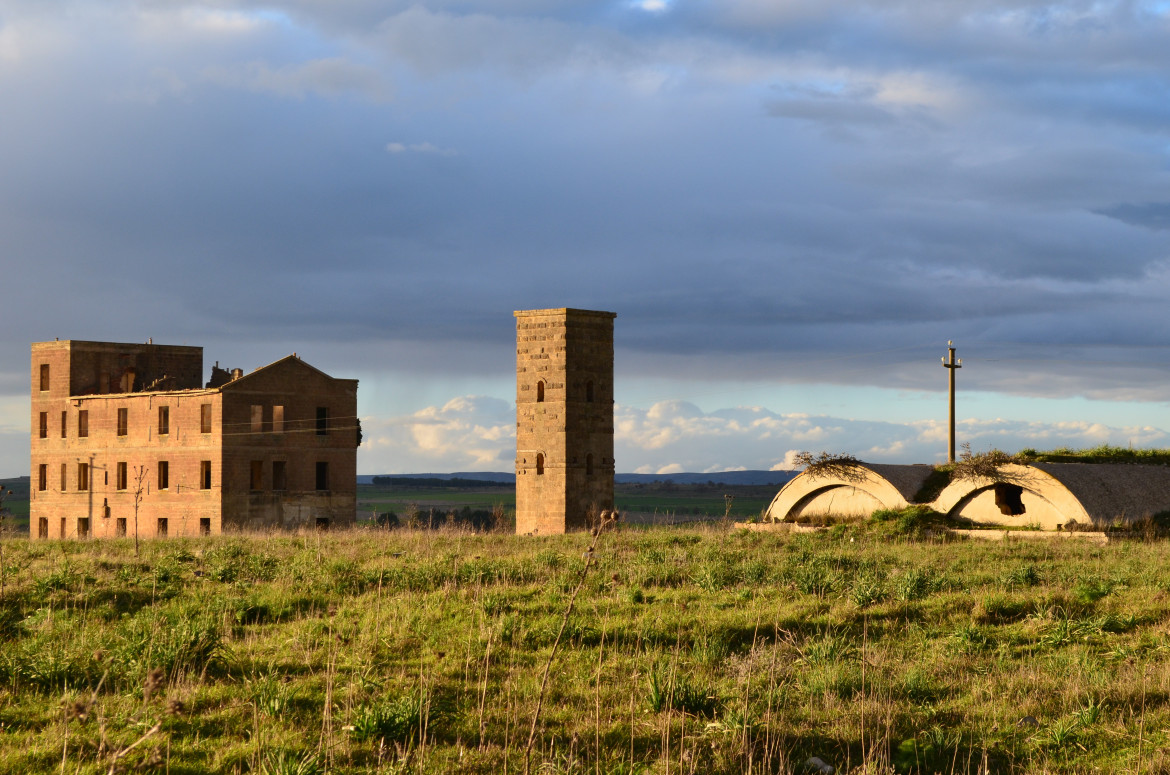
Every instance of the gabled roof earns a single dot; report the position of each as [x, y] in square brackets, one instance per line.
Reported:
[288, 359]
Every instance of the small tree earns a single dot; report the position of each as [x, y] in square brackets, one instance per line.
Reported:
[140, 473]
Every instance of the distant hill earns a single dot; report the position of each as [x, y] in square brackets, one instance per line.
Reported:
[719, 477]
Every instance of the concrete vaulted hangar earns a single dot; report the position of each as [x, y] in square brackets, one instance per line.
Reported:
[1050, 495]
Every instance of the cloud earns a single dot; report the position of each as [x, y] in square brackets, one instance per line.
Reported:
[468, 433]
[420, 148]
[331, 77]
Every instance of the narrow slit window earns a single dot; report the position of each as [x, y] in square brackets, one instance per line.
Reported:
[278, 419]
[322, 420]
[540, 464]
[257, 474]
[64, 477]
[205, 475]
[44, 425]
[120, 527]
[205, 418]
[44, 377]
[164, 420]
[540, 392]
[123, 421]
[82, 477]
[257, 418]
[322, 475]
[64, 423]
[162, 527]
[83, 423]
[43, 527]
[122, 477]
[83, 527]
[43, 477]
[279, 475]
[164, 475]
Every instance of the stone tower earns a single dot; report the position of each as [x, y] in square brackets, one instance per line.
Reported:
[564, 418]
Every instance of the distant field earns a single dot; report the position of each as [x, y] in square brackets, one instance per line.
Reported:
[668, 500]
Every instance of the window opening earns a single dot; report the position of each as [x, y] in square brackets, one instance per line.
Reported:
[82, 477]
[589, 464]
[257, 418]
[64, 423]
[44, 376]
[64, 477]
[121, 484]
[205, 475]
[257, 474]
[279, 475]
[83, 423]
[322, 475]
[540, 392]
[205, 418]
[164, 420]
[43, 527]
[589, 391]
[164, 475]
[123, 421]
[162, 527]
[44, 429]
[322, 523]
[43, 477]
[278, 419]
[120, 526]
[1010, 499]
[205, 526]
[540, 464]
[322, 420]
[83, 527]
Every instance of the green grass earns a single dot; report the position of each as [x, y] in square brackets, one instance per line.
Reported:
[696, 650]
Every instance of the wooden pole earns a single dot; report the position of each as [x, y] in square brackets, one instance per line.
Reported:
[951, 366]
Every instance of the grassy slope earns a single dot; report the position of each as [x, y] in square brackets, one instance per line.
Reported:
[688, 650]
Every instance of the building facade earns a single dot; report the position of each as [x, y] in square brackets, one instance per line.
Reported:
[126, 439]
[564, 418]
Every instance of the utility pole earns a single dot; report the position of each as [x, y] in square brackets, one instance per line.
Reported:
[951, 366]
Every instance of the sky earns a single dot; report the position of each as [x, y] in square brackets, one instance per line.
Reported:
[791, 205]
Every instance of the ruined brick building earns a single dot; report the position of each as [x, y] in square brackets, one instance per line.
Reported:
[274, 448]
[564, 418]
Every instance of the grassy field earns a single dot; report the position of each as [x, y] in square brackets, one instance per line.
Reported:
[675, 651]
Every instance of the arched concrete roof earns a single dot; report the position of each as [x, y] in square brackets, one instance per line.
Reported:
[877, 487]
[1044, 500]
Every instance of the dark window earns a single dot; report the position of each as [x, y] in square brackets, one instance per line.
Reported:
[278, 419]
[589, 391]
[257, 418]
[164, 475]
[64, 477]
[64, 423]
[123, 421]
[44, 425]
[322, 475]
[279, 477]
[43, 477]
[83, 423]
[540, 391]
[322, 523]
[205, 526]
[205, 475]
[120, 526]
[205, 418]
[121, 484]
[589, 464]
[162, 527]
[540, 464]
[82, 477]
[83, 527]
[44, 376]
[257, 474]
[1010, 499]
[164, 420]
[43, 527]
[322, 420]
[63, 523]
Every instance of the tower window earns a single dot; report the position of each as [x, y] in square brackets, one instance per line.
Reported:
[43, 476]
[540, 464]
[44, 425]
[322, 420]
[322, 475]
[44, 376]
[64, 423]
[164, 420]
[123, 421]
[540, 392]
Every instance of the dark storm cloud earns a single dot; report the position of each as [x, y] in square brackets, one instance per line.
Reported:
[750, 181]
